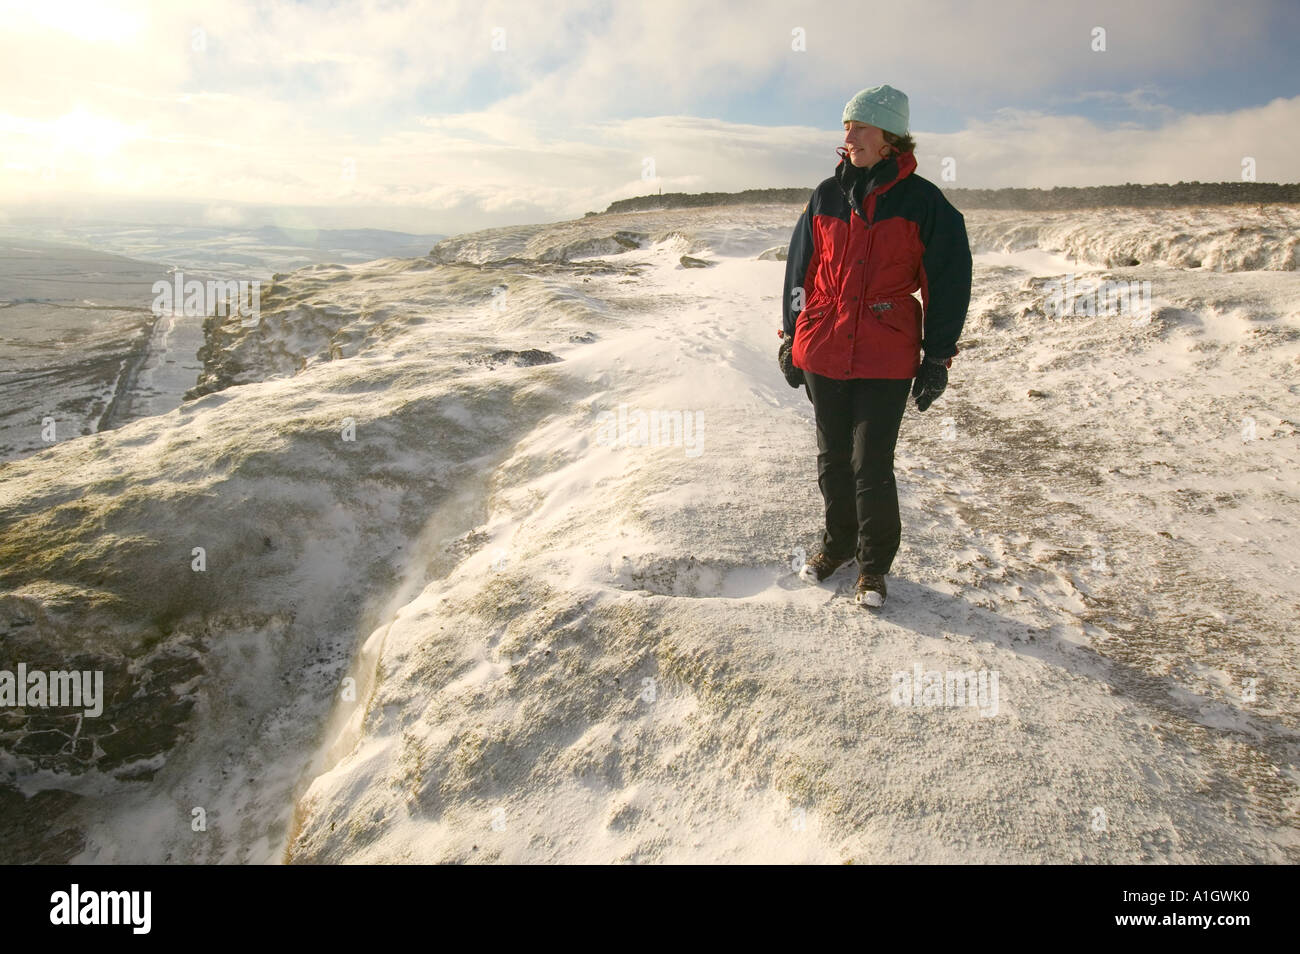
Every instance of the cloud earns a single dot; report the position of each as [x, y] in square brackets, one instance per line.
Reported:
[485, 114]
[1034, 149]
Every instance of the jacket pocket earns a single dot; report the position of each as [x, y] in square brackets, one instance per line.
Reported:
[812, 314]
[904, 317]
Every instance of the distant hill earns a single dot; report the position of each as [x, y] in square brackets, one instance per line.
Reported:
[376, 242]
[223, 251]
[1060, 198]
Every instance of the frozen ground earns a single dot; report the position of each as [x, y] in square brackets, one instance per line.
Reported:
[79, 348]
[444, 617]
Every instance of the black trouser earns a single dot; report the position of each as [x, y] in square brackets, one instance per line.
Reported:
[857, 428]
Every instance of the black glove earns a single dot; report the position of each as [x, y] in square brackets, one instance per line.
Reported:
[930, 382]
[785, 358]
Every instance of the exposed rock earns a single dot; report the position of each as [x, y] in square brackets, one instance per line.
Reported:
[519, 359]
[35, 830]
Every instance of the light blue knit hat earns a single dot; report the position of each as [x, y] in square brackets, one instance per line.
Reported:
[880, 106]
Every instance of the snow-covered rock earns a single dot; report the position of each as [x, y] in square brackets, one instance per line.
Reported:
[1231, 238]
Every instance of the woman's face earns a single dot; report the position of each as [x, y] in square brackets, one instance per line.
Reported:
[866, 143]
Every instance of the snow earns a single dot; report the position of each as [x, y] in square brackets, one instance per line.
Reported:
[86, 363]
[579, 650]
[171, 365]
[1224, 239]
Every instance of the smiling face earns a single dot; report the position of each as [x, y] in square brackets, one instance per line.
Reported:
[866, 143]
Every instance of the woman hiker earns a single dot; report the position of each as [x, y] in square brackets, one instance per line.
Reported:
[854, 335]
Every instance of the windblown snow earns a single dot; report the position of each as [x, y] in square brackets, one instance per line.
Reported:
[495, 557]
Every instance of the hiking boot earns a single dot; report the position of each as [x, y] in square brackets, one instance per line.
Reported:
[871, 589]
[821, 566]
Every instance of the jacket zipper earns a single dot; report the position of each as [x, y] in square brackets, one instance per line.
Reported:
[839, 279]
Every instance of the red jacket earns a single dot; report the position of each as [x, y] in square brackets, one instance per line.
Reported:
[866, 240]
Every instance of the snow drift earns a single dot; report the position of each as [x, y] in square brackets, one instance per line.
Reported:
[1235, 238]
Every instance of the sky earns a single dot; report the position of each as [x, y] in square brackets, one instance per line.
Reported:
[443, 117]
